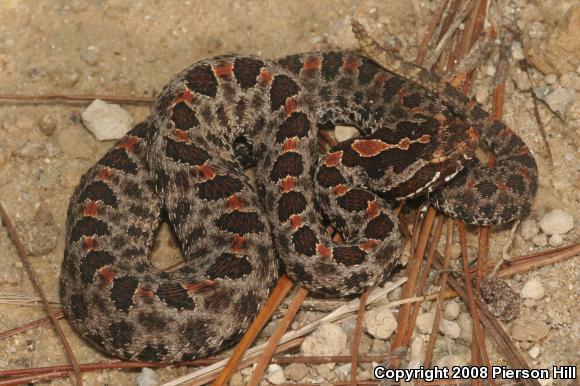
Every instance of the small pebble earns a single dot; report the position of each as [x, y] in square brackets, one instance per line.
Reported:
[343, 372]
[47, 124]
[534, 352]
[451, 310]
[550, 79]
[556, 240]
[325, 371]
[560, 101]
[275, 374]
[556, 222]
[342, 133]
[328, 339]
[237, 380]
[425, 322]
[147, 377]
[106, 121]
[449, 328]
[296, 371]
[531, 330]
[521, 80]
[533, 289]
[380, 322]
[529, 229]
[540, 240]
[517, 51]
[39, 235]
[90, 55]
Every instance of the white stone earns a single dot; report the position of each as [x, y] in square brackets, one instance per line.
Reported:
[533, 289]
[425, 322]
[342, 133]
[106, 121]
[534, 352]
[465, 326]
[147, 377]
[449, 328]
[529, 229]
[451, 310]
[557, 222]
[380, 322]
[561, 100]
[556, 240]
[417, 348]
[540, 240]
[275, 374]
[328, 339]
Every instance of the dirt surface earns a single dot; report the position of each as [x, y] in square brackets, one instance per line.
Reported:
[128, 48]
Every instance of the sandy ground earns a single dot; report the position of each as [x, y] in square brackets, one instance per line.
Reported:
[132, 49]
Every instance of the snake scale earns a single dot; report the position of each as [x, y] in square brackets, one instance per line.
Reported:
[187, 160]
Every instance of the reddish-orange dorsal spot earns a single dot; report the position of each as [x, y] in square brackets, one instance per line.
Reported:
[290, 106]
[369, 147]
[323, 251]
[470, 184]
[502, 186]
[107, 274]
[471, 104]
[333, 159]
[289, 144]
[506, 132]
[196, 287]
[144, 293]
[206, 172]
[295, 221]
[425, 138]
[266, 76]
[525, 173]
[404, 144]
[235, 202]
[373, 209]
[473, 135]
[224, 70]
[340, 190]
[380, 79]
[441, 118]
[105, 174]
[238, 244]
[128, 143]
[311, 64]
[186, 96]
[287, 184]
[91, 209]
[402, 94]
[350, 65]
[368, 245]
[89, 243]
[181, 135]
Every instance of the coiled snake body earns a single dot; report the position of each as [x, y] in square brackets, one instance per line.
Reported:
[187, 159]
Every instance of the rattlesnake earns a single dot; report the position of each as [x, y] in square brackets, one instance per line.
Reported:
[187, 159]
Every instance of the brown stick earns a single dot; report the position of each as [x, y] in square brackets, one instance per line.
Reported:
[357, 337]
[282, 288]
[36, 284]
[54, 98]
[412, 274]
[283, 325]
[480, 346]
[440, 297]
